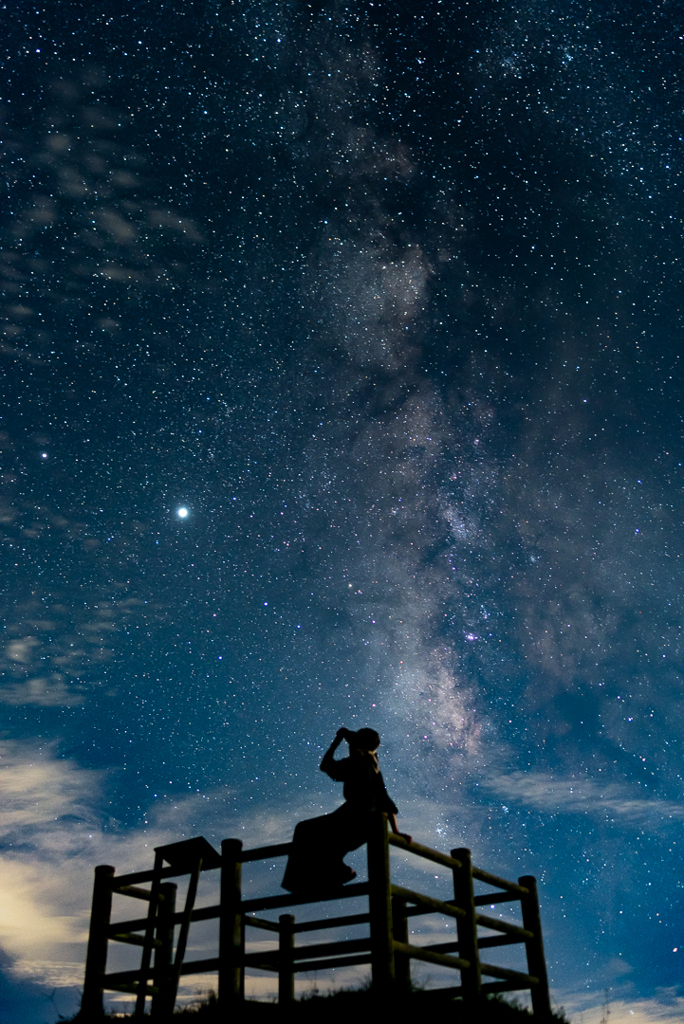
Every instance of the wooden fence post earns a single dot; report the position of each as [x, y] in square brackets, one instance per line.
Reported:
[163, 954]
[402, 963]
[536, 962]
[149, 942]
[286, 959]
[96, 957]
[184, 930]
[231, 927]
[464, 897]
[380, 905]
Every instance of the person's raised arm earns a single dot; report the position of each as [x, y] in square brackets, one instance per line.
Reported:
[327, 764]
[395, 828]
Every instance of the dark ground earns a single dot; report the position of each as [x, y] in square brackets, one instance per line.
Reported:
[359, 1006]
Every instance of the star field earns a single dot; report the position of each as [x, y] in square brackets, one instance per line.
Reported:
[343, 386]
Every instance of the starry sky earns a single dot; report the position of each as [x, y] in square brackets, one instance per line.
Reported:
[387, 297]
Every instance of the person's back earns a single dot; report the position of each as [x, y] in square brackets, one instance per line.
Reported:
[364, 787]
[318, 845]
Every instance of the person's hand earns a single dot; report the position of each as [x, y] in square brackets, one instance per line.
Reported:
[341, 734]
[406, 836]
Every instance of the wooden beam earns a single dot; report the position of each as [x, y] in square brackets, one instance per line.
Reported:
[231, 932]
[431, 904]
[266, 852]
[380, 905]
[119, 978]
[442, 947]
[259, 922]
[497, 940]
[162, 1002]
[471, 982]
[200, 966]
[500, 883]
[530, 981]
[402, 963]
[184, 932]
[346, 892]
[139, 923]
[426, 852]
[313, 952]
[134, 989]
[146, 958]
[96, 956]
[349, 919]
[133, 890]
[430, 957]
[504, 926]
[504, 986]
[146, 876]
[286, 955]
[132, 940]
[496, 897]
[536, 961]
[340, 961]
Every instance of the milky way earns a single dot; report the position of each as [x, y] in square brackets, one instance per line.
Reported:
[342, 387]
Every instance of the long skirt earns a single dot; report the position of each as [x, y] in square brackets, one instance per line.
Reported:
[318, 846]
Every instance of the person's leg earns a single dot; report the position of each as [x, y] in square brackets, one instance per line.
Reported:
[348, 831]
[307, 864]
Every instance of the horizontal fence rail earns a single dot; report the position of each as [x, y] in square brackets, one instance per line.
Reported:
[161, 933]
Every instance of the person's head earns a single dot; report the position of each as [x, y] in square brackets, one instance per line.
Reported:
[365, 741]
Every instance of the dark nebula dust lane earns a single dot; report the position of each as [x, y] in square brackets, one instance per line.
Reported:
[342, 386]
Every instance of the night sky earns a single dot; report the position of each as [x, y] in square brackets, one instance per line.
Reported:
[387, 296]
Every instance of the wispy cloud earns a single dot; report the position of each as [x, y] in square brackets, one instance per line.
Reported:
[572, 795]
[53, 834]
[665, 1008]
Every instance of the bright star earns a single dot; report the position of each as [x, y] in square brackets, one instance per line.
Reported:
[182, 513]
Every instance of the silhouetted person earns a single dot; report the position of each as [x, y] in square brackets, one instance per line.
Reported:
[319, 844]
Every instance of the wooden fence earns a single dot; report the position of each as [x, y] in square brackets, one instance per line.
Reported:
[386, 947]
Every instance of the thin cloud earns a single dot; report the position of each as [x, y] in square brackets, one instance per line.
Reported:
[546, 792]
[52, 835]
[665, 1008]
